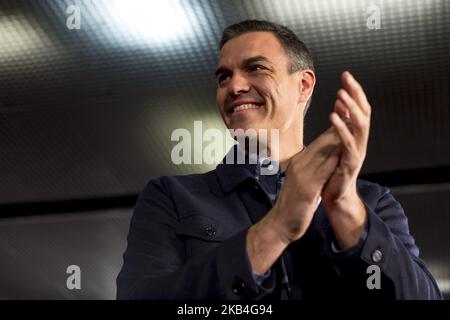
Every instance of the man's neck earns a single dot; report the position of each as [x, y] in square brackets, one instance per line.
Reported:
[285, 148]
[290, 143]
[285, 153]
[286, 156]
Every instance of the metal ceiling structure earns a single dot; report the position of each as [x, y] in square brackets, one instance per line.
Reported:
[88, 113]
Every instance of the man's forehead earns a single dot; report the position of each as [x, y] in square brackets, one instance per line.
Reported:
[251, 44]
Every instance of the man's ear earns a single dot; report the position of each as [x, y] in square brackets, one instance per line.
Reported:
[307, 83]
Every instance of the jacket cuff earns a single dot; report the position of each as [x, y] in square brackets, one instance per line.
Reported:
[368, 247]
[352, 251]
[235, 272]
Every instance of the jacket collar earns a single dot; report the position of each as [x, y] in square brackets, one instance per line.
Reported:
[238, 166]
[231, 173]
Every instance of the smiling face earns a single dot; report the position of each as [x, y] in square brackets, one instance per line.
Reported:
[255, 89]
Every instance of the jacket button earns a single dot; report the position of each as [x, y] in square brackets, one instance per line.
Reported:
[265, 162]
[239, 287]
[210, 231]
[377, 256]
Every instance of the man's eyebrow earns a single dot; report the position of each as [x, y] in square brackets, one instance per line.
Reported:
[220, 70]
[245, 62]
[251, 60]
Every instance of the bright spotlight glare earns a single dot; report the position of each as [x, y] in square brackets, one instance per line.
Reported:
[152, 20]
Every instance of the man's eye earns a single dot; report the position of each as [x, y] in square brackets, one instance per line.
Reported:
[222, 78]
[255, 67]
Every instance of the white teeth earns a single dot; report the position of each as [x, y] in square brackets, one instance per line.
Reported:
[245, 106]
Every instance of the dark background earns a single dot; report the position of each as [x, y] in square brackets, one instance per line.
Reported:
[86, 118]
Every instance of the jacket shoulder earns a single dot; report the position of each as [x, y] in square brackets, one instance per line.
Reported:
[191, 182]
[372, 192]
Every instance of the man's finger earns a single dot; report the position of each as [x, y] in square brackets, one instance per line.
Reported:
[339, 105]
[359, 120]
[356, 92]
[344, 133]
[342, 110]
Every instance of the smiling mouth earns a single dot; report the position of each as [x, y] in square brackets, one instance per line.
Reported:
[246, 107]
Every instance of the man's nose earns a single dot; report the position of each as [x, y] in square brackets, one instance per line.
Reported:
[238, 84]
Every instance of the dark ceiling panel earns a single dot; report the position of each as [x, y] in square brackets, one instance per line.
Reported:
[89, 113]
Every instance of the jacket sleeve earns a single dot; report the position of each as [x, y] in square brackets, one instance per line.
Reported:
[390, 246]
[155, 262]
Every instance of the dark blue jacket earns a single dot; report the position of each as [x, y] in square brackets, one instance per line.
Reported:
[187, 241]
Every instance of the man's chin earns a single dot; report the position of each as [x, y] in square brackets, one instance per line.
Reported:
[250, 132]
[245, 125]
[249, 126]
